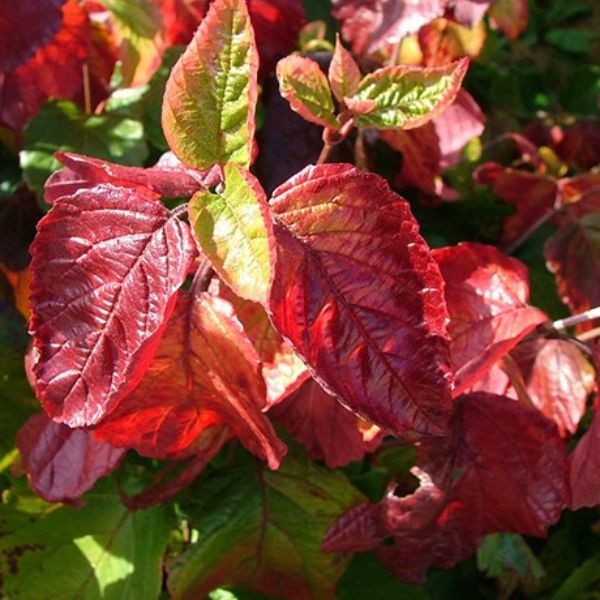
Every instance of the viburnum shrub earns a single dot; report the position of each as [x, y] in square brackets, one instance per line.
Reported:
[300, 375]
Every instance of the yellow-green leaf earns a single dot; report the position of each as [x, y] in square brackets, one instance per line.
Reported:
[234, 229]
[209, 105]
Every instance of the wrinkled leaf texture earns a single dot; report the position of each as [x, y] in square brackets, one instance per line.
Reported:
[107, 262]
[358, 295]
[503, 468]
[486, 294]
[205, 372]
[210, 96]
[63, 463]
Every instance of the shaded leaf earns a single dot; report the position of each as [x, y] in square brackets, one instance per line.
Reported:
[344, 75]
[106, 264]
[110, 552]
[407, 96]
[351, 267]
[324, 427]
[63, 463]
[63, 126]
[305, 87]
[486, 294]
[264, 529]
[25, 27]
[502, 469]
[573, 255]
[205, 372]
[370, 25]
[210, 97]
[234, 230]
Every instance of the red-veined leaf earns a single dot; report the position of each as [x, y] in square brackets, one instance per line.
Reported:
[210, 97]
[370, 25]
[324, 427]
[359, 296]
[344, 74]
[205, 372]
[305, 87]
[573, 255]
[106, 264]
[504, 468]
[486, 294]
[234, 230]
[25, 27]
[510, 17]
[407, 96]
[63, 463]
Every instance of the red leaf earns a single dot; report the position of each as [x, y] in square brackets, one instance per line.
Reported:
[106, 264]
[324, 427]
[351, 269]
[573, 255]
[205, 372]
[82, 171]
[502, 469]
[580, 146]
[486, 293]
[558, 378]
[581, 194]
[54, 71]
[63, 463]
[25, 27]
[510, 17]
[181, 18]
[370, 24]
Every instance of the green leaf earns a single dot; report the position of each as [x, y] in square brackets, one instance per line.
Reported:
[405, 96]
[208, 114]
[580, 580]
[502, 553]
[305, 87]
[62, 125]
[235, 232]
[264, 529]
[100, 551]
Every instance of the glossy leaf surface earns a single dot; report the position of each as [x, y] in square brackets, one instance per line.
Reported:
[486, 293]
[305, 87]
[234, 230]
[264, 529]
[106, 264]
[63, 463]
[407, 97]
[205, 372]
[351, 268]
[210, 98]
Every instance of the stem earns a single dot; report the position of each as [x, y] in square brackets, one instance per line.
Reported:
[360, 154]
[325, 152]
[592, 334]
[202, 278]
[179, 211]
[514, 374]
[517, 243]
[87, 94]
[584, 317]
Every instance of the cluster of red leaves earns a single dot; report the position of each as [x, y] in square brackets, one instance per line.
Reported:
[366, 331]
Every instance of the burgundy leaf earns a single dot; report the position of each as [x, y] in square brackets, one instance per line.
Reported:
[25, 27]
[581, 194]
[205, 372]
[503, 468]
[580, 146]
[82, 171]
[585, 468]
[106, 264]
[324, 427]
[559, 379]
[359, 296]
[573, 255]
[371, 24]
[63, 463]
[486, 293]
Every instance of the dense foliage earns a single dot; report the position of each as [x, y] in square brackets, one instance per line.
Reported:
[299, 299]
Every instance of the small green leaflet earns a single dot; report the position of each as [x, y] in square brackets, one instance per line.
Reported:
[305, 87]
[62, 126]
[404, 96]
[235, 231]
[264, 529]
[208, 114]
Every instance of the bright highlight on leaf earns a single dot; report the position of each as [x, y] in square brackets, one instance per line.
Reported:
[358, 294]
[106, 264]
[234, 230]
[305, 87]
[210, 97]
[407, 97]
